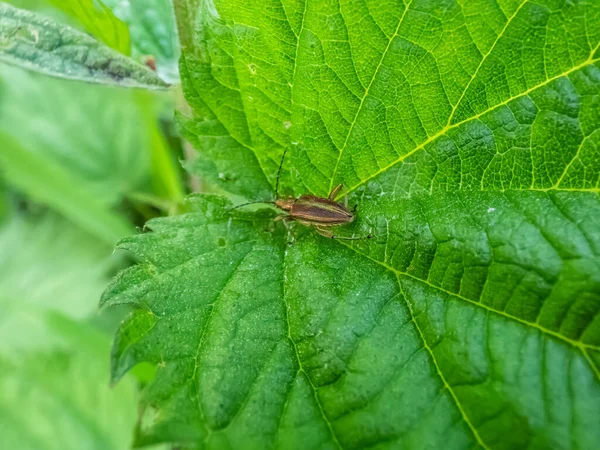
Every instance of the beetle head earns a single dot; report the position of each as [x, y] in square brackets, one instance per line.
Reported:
[285, 204]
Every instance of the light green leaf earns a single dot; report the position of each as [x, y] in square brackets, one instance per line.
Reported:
[153, 33]
[48, 183]
[54, 392]
[165, 168]
[98, 20]
[28, 244]
[36, 43]
[468, 136]
[105, 143]
[4, 201]
[93, 132]
[60, 399]
[46, 264]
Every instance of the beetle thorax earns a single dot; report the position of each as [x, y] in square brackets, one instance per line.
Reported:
[285, 204]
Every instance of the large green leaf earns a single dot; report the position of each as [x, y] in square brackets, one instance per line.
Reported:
[468, 136]
[34, 42]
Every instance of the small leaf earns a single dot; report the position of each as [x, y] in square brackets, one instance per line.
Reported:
[36, 43]
[153, 33]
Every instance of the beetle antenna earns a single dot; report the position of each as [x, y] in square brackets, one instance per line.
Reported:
[279, 173]
[249, 203]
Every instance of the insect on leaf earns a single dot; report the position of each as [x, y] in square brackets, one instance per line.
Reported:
[468, 135]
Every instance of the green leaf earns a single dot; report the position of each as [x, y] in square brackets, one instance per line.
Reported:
[60, 399]
[93, 132]
[467, 134]
[100, 143]
[166, 169]
[78, 271]
[153, 33]
[54, 392]
[50, 184]
[36, 43]
[46, 265]
[98, 20]
[5, 209]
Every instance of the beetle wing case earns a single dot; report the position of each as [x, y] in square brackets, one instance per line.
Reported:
[320, 211]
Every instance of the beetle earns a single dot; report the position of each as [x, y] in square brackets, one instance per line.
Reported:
[313, 211]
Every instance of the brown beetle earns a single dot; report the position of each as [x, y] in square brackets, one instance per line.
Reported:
[313, 211]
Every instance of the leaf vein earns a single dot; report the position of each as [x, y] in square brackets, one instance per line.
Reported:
[365, 95]
[439, 371]
[542, 329]
[443, 131]
[483, 59]
[300, 366]
[202, 339]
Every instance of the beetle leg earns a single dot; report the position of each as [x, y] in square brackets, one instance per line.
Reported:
[346, 198]
[325, 233]
[334, 192]
[290, 242]
[328, 234]
[286, 219]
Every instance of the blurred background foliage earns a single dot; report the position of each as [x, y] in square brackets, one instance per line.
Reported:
[81, 166]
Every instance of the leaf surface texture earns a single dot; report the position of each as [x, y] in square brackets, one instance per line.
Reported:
[467, 133]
